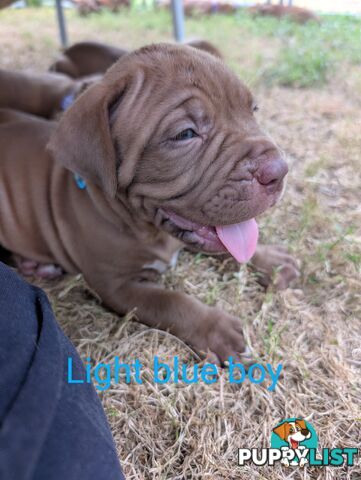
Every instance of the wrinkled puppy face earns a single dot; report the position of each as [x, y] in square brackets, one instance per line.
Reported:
[184, 146]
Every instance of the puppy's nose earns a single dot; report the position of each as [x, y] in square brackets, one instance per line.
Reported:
[271, 172]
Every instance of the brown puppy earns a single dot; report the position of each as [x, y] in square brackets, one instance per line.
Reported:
[38, 93]
[6, 3]
[85, 7]
[44, 94]
[296, 14]
[205, 7]
[206, 47]
[87, 58]
[90, 58]
[169, 147]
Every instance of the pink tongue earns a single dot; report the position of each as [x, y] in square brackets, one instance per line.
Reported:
[240, 239]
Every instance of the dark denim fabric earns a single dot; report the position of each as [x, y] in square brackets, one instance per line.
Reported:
[49, 429]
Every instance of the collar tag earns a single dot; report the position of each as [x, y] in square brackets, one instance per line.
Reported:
[81, 183]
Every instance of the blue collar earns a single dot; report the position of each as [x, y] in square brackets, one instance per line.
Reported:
[81, 183]
[67, 101]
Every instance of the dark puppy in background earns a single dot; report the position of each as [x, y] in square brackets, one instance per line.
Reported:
[41, 94]
[296, 14]
[88, 58]
[82, 64]
[170, 155]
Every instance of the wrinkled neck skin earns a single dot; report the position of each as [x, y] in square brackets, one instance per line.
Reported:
[119, 212]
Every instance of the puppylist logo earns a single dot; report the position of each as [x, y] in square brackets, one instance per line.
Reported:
[294, 442]
[295, 438]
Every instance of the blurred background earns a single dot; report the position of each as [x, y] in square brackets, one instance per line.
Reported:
[290, 47]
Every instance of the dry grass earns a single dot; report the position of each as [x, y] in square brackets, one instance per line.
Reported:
[314, 329]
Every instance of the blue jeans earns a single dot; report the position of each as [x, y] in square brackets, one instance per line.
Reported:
[49, 429]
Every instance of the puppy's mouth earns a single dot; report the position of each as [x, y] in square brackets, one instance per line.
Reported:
[239, 239]
[294, 443]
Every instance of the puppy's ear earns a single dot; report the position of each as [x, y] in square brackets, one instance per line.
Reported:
[206, 47]
[82, 141]
[281, 431]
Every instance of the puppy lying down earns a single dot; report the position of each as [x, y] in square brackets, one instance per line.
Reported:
[168, 154]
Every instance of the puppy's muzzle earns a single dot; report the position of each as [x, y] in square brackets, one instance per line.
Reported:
[271, 173]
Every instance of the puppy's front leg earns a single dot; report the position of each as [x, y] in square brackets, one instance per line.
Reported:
[207, 329]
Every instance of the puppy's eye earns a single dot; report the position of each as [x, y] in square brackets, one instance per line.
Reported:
[291, 430]
[185, 135]
[255, 108]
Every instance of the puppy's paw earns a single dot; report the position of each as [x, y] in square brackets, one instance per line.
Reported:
[48, 271]
[275, 266]
[219, 336]
[30, 268]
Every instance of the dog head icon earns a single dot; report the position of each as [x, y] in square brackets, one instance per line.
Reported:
[293, 432]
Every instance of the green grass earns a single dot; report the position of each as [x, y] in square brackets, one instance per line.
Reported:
[301, 66]
[303, 55]
[295, 55]
[308, 53]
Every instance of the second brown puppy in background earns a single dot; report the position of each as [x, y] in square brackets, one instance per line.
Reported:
[89, 58]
